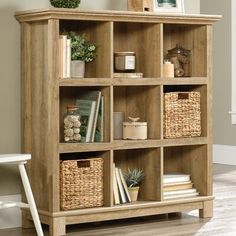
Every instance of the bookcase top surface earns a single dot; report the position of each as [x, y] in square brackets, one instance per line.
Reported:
[107, 15]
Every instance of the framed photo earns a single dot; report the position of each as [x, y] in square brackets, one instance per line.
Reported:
[168, 6]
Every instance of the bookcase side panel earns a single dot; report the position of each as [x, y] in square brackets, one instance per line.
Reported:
[209, 109]
[43, 109]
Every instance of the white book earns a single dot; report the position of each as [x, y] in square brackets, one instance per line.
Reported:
[68, 57]
[181, 196]
[174, 184]
[63, 42]
[96, 115]
[115, 187]
[120, 187]
[180, 192]
[124, 185]
[174, 178]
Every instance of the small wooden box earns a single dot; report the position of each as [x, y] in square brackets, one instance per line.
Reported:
[140, 5]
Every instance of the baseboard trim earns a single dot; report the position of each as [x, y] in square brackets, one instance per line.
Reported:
[224, 154]
[10, 217]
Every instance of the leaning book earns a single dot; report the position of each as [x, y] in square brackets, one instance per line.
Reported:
[86, 111]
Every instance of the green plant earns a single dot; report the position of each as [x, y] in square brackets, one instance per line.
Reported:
[134, 177]
[65, 3]
[81, 48]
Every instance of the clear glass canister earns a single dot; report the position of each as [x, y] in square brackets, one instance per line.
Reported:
[180, 57]
[72, 125]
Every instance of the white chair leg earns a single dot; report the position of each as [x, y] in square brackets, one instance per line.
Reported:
[30, 199]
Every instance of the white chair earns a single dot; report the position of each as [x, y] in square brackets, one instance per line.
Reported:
[20, 160]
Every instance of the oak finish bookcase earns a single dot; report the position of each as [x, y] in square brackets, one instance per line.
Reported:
[45, 96]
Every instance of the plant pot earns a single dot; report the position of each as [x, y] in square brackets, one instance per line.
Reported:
[65, 3]
[77, 69]
[133, 192]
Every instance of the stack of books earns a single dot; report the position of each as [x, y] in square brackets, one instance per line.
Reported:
[91, 110]
[178, 186]
[120, 189]
[65, 56]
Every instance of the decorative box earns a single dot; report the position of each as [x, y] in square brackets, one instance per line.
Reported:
[140, 5]
[134, 130]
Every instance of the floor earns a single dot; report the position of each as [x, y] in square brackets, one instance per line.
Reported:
[222, 224]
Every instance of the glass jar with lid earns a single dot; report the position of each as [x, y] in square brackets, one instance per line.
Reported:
[180, 57]
[72, 125]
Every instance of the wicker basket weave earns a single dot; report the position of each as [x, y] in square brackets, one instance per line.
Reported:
[81, 183]
[182, 114]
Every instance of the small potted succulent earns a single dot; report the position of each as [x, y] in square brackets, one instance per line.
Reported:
[133, 179]
[65, 3]
[82, 51]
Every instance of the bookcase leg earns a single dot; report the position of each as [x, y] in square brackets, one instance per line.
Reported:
[57, 226]
[207, 211]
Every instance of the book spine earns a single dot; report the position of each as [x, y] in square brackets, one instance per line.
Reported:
[90, 122]
[121, 190]
[96, 116]
[124, 185]
[68, 57]
[115, 187]
[64, 39]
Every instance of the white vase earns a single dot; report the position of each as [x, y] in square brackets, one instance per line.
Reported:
[77, 69]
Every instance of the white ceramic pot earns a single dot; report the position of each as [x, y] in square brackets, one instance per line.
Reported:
[133, 192]
[77, 69]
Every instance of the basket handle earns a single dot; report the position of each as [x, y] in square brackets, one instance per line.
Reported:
[183, 96]
[83, 163]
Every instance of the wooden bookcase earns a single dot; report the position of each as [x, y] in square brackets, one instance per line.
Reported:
[45, 96]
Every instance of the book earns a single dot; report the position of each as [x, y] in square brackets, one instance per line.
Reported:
[68, 57]
[91, 95]
[98, 98]
[178, 186]
[63, 55]
[128, 75]
[124, 185]
[115, 187]
[120, 187]
[186, 195]
[180, 192]
[175, 178]
[100, 122]
[86, 111]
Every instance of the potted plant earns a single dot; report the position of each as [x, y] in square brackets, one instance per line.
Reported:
[82, 51]
[65, 3]
[133, 179]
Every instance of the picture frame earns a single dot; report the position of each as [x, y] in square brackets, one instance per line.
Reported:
[168, 6]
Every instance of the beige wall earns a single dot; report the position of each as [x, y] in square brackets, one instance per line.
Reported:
[224, 131]
[10, 76]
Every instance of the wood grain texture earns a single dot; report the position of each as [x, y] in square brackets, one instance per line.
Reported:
[74, 14]
[142, 39]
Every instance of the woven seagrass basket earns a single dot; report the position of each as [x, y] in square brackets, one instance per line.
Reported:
[182, 114]
[81, 183]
